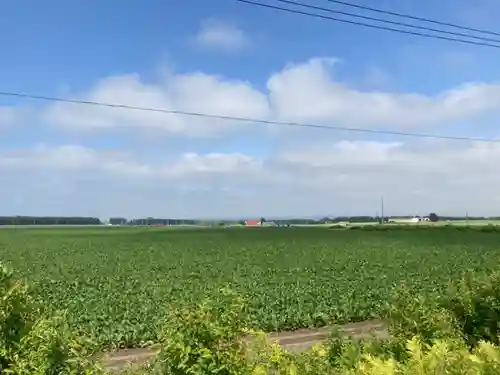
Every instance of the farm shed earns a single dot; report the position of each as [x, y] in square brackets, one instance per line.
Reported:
[252, 223]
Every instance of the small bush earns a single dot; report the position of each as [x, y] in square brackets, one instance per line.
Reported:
[205, 340]
[410, 314]
[445, 356]
[428, 337]
[16, 315]
[490, 228]
[474, 302]
[32, 345]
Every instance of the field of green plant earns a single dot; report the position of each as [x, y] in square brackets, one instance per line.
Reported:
[118, 283]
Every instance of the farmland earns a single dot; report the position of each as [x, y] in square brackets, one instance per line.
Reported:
[117, 283]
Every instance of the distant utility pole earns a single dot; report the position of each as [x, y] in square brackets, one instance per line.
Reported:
[382, 208]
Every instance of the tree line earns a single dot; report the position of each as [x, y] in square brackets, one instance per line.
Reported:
[49, 220]
[81, 220]
[154, 221]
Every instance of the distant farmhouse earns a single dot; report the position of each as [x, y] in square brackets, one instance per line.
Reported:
[252, 223]
[407, 220]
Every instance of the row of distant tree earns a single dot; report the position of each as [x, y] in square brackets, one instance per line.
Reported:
[78, 220]
[48, 220]
[154, 221]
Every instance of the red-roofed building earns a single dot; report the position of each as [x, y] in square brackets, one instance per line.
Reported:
[252, 223]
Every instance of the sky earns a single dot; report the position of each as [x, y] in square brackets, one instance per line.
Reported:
[227, 58]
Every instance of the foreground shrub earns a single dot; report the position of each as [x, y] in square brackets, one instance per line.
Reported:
[212, 339]
[410, 314]
[469, 310]
[456, 333]
[205, 340]
[345, 353]
[31, 345]
[442, 357]
[16, 316]
[474, 303]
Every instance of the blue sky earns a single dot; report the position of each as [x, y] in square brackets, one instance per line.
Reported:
[225, 57]
[73, 43]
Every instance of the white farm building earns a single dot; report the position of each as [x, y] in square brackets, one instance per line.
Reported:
[408, 220]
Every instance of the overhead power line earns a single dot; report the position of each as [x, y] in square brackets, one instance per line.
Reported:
[244, 119]
[354, 15]
[372, 26]
[416, 18]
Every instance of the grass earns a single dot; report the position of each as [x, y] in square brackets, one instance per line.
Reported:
[117, 283]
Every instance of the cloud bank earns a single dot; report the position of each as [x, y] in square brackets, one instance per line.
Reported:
[305, 172]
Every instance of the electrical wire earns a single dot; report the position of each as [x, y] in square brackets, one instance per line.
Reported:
[329, 10]
[244, 119]
[411, 17]
[409, 32]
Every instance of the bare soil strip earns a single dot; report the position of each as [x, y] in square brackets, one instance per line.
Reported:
[296, 341]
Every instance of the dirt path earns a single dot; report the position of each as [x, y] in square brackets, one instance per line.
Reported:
[296, 341]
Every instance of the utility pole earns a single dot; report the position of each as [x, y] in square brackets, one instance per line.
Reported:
[382, 208]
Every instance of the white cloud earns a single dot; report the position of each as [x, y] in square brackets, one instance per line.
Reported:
[220, 35]
[376, 77]
[120, 164]
[193, 92]
[276, 176]
[306, 92]
[342, 177]
[213, 163]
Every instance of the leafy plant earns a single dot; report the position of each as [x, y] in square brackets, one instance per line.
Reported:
[205, 340]
[16, 315]
[474, 302]
[211, 339]
[30, 344]
[411, 314]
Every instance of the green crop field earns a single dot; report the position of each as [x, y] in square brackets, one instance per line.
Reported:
[116, 283]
